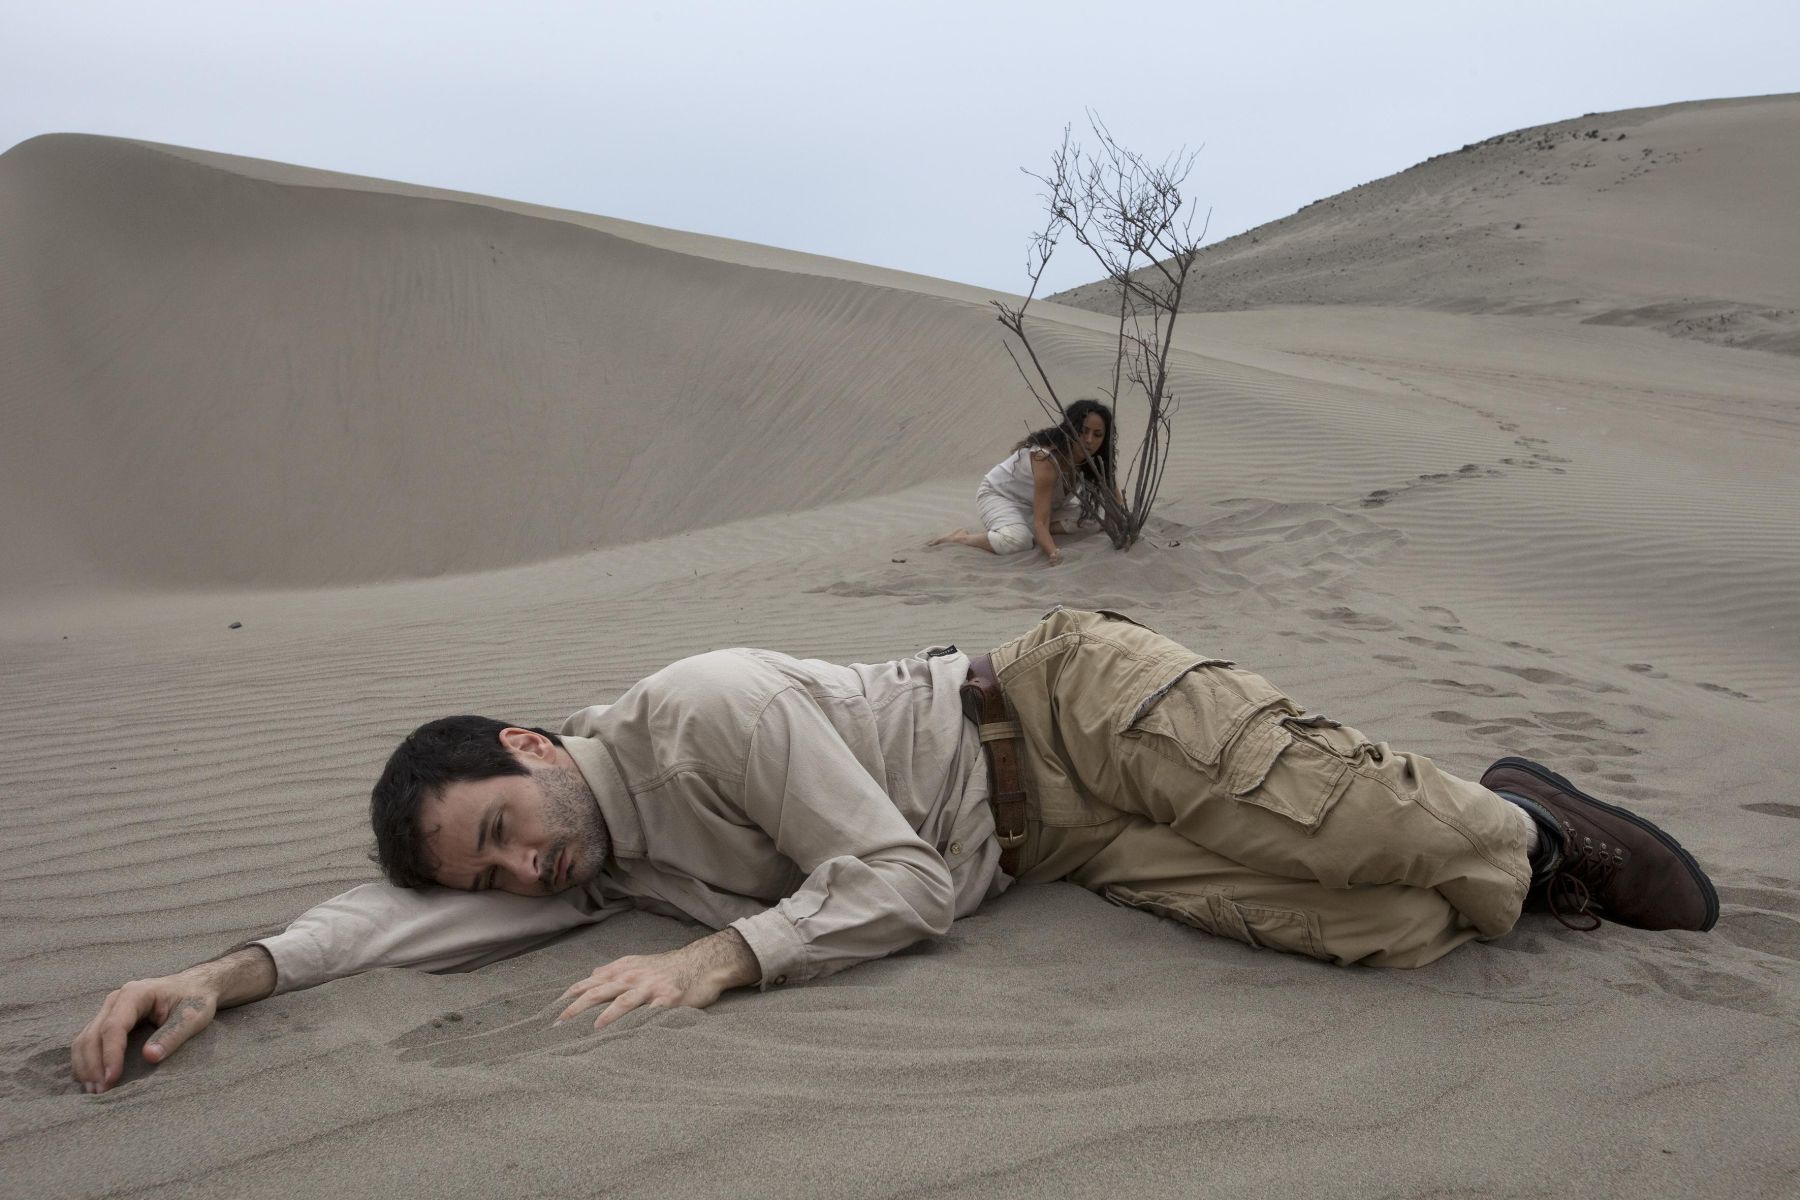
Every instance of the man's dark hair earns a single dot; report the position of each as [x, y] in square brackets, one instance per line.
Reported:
[433, 756]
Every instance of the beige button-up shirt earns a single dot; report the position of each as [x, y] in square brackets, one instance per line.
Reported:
[829, 814]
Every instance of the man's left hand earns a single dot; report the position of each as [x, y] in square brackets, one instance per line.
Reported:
[691, 977]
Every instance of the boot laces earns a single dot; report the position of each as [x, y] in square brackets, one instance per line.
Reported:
[1587, 870]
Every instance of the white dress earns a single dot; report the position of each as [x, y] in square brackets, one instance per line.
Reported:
[1004, 501]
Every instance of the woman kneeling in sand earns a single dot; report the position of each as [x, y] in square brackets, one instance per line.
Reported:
[1032, 495]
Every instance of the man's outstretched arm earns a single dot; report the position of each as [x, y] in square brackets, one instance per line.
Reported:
[374, 925]
[183, 1004]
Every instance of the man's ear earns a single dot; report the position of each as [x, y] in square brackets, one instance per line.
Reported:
[528, 744]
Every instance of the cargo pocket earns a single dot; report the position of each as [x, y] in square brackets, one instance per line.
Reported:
[1336, 737]
[1263, 926]
[1294, 777]
[1198, 714]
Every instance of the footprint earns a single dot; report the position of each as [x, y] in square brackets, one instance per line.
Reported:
[1774, 808]
[1570, 720]
[1595, 747]
[1780, 899]
[1540, 675]
[1530, 647]
[1768, 932]
[1722, 690]
[1703, 985]
[1344, 615]
[1398, 660]
[1485, 690]
[1449, 623]
[1429, 643]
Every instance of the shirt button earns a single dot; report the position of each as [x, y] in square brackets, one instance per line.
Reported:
[780, 979]
[956, 847]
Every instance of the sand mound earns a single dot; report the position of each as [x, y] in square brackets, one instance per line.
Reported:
[247, 373]
[1678, 218]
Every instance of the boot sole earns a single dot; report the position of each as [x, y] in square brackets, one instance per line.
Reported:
[1553, 779]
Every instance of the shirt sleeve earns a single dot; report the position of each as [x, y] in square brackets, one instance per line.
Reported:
[872, 886]
[431, 929]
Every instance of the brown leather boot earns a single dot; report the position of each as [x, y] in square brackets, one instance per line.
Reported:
[1611, 863]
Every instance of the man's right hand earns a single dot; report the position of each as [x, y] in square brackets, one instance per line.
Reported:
[182, 1005]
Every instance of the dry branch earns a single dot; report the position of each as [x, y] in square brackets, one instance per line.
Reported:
[1130, 214]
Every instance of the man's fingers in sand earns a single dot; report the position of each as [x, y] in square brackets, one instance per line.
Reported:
[190, 1015]
[582, 985]
[97, 1056]
[113, 1037]
[605, 973]
[84, 1054]
[122, 1010]
[592, 994]
[623, 998]
[626, 1002]
[622, 985]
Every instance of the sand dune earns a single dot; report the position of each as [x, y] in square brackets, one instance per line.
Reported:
[1676, 218]
[433, 453]
[283, 379]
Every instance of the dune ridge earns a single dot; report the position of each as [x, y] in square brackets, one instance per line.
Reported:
[1667, 218]
[244, 379]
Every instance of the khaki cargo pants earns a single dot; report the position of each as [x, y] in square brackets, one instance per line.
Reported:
[1175, 783]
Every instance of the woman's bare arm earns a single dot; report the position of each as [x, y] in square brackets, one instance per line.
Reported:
[1044, 477]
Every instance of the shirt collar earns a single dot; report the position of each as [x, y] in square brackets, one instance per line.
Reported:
[595, 761]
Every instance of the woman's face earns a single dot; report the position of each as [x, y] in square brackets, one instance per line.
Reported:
[1090, 437]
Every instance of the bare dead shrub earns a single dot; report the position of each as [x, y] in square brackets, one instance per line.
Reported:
[1131, 215]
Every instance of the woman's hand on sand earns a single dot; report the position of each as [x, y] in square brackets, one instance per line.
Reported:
[691, 977]
[1054, 555]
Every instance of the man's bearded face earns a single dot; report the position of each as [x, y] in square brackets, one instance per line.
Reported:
[531, 835]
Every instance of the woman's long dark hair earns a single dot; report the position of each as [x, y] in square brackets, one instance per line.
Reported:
[1060, 440]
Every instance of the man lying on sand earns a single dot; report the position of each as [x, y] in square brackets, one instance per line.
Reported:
[820, 815]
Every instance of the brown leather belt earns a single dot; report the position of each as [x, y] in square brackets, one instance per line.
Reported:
[985, 705]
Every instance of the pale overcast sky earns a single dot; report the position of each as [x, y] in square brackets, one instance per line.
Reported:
[886, 133]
